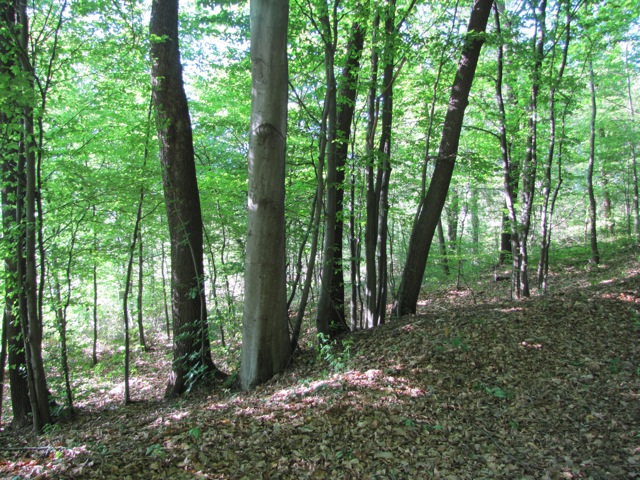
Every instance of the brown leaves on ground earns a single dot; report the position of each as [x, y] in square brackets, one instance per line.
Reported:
[541, 388]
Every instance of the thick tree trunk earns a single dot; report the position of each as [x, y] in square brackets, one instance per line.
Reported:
[191, 350]
[265, 339]
[424, 229]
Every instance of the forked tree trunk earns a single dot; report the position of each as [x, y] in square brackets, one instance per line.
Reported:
[265, 339]
[530, 165]
[12, 341]
[32, 329]
[191, 344]
[545, 216]
[426, 223]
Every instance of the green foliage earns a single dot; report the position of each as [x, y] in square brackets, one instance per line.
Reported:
[155, 451]
[335, 354]
[195, 432]
[497, 392]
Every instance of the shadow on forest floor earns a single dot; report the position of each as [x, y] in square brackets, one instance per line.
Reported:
[474, 386]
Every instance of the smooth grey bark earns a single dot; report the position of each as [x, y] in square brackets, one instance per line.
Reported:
[265, 338]
[191, 344]
[429, 215]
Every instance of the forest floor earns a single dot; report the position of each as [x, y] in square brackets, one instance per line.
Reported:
[474, 386]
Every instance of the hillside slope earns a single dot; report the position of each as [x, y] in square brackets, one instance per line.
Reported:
[475, 386]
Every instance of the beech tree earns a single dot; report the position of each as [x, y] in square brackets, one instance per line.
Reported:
[265, 338]
[191, 344]
[428, 217]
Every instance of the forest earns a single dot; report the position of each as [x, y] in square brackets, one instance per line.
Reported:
[312, 238]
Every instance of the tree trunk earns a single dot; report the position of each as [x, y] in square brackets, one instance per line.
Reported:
[346, 104]
[143, 342]
[3, 359]
[191, 345]
[545, 222]
[384, 158]
[529, 168]
[355, 253]
[328, 145]
[38, 391]
[505, 238]
[634, 163]
[371, 226]
[167, 319]
[14, 294]
[265, 340]
[424, 229]
[12, 341]
[593, 237]
[452, 216]
[475, 221]
[442, 242]
[607, 204]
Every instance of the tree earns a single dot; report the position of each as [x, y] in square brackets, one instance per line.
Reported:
[593, 235]
[265, 339]
[339, 106]
[429, 215]
[191, 345]
[27, 202]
